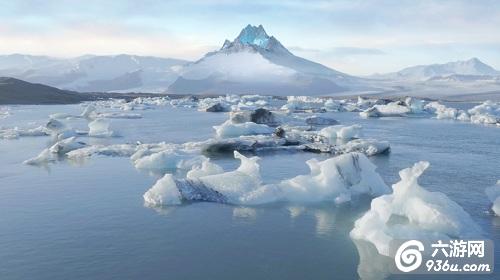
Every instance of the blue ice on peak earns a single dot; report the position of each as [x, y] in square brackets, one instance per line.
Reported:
[253, 35]
[254, 38]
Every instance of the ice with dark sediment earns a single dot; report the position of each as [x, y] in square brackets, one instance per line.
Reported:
[336, 179]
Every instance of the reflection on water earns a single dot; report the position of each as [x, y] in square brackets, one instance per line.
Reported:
[372, 265]
[244, 213]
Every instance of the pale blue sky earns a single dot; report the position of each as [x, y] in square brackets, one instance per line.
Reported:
[357, 37]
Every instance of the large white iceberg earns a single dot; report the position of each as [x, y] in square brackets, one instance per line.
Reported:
[335, 179]
[411, 212]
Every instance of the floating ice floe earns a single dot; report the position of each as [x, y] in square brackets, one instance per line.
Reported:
[316, 120]
[59, 148]
[333, 106]
[443, 112]
[335, 179]
[415, 105]
[60, 131]
[332, 133]
[116, 150]
[303, 103]
[14, 133]
[167, 160]
[229, 129]
[259, 116]
[100, 128]
[486, 113]
[411, 212]
[214, 105]
[186, 102]
[4, 112]
[493, 194]
[393, 109]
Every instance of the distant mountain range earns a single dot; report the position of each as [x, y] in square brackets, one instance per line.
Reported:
[458, 71]
[256, 63]
[91, 73]
[252, 63]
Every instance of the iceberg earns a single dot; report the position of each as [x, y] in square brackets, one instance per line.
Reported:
[116, 150]
[164, 192]
[411, 212]
[14, 133]
[415, 105]
[66, 145]
[167, 160]
[315, 120]
[336, 179]
[493, 194]
[333, 106]
[393, 109]
[229, 129]
[332, 133]
[369, 147]
[51, 154]
[303, 103]
[259, 116]
[100, 128]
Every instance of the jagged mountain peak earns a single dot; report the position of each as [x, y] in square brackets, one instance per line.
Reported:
[256, 38]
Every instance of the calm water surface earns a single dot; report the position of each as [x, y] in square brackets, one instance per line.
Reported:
[88, 221]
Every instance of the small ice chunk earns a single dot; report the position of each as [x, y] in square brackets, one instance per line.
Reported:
[66, 145]
[163, 192]
[167, 160]
[316, 120]
[393, 109]
[43, 158]
[229, 129]
[14, 133]
[415, 105]
[493, 194]
[100, 128]
[369, 147]
[332, 133]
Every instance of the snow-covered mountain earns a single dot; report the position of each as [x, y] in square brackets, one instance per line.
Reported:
[94, 73]
[256, 63]
[467, 70]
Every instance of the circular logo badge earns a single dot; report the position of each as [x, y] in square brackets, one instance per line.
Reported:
[408, 256]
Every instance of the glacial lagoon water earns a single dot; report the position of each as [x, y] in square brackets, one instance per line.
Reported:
[87, 220]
